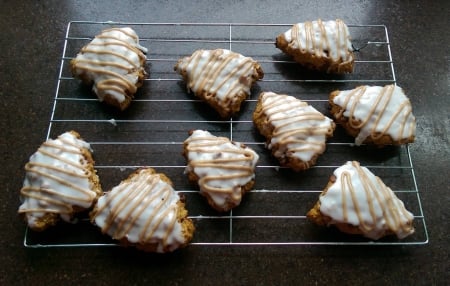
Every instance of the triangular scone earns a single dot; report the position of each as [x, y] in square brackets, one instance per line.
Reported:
[114, 63]
[221, 78]
[358, 202]
[374, 114]
[60, 180]
[296, 132]
[319, 45]
[224, 170]
[144, 211]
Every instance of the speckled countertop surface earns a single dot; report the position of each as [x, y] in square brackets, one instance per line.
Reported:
[31, 43]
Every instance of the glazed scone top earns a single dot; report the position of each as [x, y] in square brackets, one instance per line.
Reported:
[112, 60]
[57, 178]
[322, 38]
[220, 72]
[377, 110]
[142, 209]
[297, 125]
[359, 198]
[222, 165]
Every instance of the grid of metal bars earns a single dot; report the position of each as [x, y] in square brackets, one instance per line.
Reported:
[152, 133]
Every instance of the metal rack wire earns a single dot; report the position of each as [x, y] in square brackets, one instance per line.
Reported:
[152, 130]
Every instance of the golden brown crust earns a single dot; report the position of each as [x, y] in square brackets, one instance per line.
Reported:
[93, 179]
[266, 129]
[44, 222]
[346, 123]
[314, 213]
[261, 120]
[187, 225]
[311, 61]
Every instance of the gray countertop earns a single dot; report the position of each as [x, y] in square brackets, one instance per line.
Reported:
[32, 42]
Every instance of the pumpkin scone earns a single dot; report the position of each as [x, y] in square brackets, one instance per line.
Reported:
[113, 63]
[295, 132]
[224, 170]
[220, 77]
[145, 211]
[358, 202]
[379, 115]
[60, 181]
[319, 45]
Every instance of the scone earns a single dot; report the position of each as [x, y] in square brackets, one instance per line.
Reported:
[296, 132]
[221, 78]
[319, 45]
[113, 62]
[144, 211]
[60, 181]
[374, 114]
[224, 170]
[358, 202]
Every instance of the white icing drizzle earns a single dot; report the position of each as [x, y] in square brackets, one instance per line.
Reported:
[378, 111]
[112, 60]
[329, 39]
[361, 199]
[142, 209]
[221, 72]
[299, 129]
[223, 166]
[57, 178]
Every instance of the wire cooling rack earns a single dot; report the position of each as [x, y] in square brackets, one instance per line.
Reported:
[151, 132]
